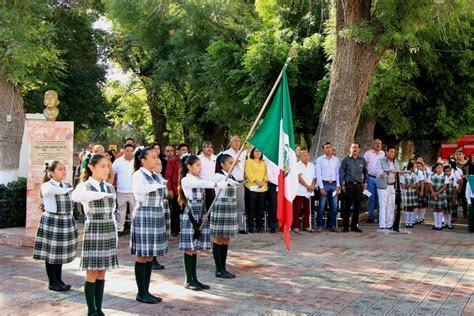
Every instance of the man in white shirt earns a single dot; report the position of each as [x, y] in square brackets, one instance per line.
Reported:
[238, 174]
[208, 168]
[372, 158]
[327, 175]
[123, 169]
[306, 186]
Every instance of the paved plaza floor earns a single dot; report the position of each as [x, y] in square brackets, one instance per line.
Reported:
[422, 273]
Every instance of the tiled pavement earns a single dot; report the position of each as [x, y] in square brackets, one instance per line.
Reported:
[422, 273]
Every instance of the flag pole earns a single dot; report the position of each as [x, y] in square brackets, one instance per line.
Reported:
[291, 55]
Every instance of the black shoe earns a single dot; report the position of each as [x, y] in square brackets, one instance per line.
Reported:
[67, 286]
[223, 275]
[450, 227]
[157, 266]
[357, 230]
[370, 221]
[100, 313]
[259, 230]
[157, 298]
[345, 230]
[243, 232]
[146, 299]
[252, 230]
[434, 228]
[192, 286]
[272, 231]
[334, 230]
[232, 276]
[202, 286]
[58, 287]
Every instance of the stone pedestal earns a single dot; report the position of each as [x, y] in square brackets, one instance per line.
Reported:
[46, 141]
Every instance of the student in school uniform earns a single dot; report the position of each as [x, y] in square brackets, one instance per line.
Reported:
[57, 232]
[306, 187]
[191, 197]
[148, 231]
[409, 184]
[451, 196]
[438, 183]
[223, 222]
[419, 211]
[99, 249]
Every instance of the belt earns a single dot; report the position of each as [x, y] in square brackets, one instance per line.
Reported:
[371, 176]
[353, 182]
[391, 183]
[328, 182]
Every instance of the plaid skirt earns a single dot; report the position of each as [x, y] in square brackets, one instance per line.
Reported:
[99, 250]
[451, 206]
[148, 232]
[410, 198]
[56, 238]
[224, 218]
[186, 241]
[441, 203]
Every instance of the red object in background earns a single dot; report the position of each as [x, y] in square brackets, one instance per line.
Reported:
[465, 142]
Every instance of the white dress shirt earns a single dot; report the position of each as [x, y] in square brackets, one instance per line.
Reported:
[372, 158]
[469, 194]
[124, 170]
[141, 187]
[308, 173]
[208, 166]
[49, 190]
[219, 178]
[446, 179]
[327, 169]
[273, 171]
[84, 196]
[239, 168]
[192, 182]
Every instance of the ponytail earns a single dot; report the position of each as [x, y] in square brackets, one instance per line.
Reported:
[221, 158]
[90, 160]
[186, 160]
[140, 154]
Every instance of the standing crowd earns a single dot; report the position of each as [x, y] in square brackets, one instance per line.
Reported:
[169, 192]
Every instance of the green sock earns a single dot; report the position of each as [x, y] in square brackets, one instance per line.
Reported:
[224, 249]
[147, 276]
[188, 266]
[99, 294]
[216, 253]
[89, 291]
[50, 271]
[140, 277]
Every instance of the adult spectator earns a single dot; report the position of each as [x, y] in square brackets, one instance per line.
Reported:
[307, 183]
[353, 178]
[172, 175]
[327, 175]
[463, 164]
[386, 172]
[372, 158]
[273, 171]
[208, 168]
[123, 169]
[161, 156]
[238, 174]
[256, 183]
[128, 141]
[170, 152]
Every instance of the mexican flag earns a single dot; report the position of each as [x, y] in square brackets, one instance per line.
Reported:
[275, 139]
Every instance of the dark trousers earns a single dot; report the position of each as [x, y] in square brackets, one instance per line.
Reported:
[298, 202]
[256, 203]
[175, 211]
[353, 195]
[470, 219]
[272, 205]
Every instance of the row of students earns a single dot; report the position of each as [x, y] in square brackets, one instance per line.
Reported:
[57, 233]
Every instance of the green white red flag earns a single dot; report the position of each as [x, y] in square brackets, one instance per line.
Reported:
[275, 139]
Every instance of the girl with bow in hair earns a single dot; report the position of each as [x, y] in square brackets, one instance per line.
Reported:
[99, 249]
[148, 231]
[57, 232]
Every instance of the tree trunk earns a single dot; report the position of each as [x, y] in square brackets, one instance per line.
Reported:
[365, 132]
[352, 68]
[216, 135]
[407, 148]
[158, 118]
[11, 133]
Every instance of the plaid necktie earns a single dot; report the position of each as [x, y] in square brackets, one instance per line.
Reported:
[61, 185]
[102, 187]
[155, 177]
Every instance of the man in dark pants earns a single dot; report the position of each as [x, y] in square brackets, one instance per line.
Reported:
[353, 178]
[272, 171]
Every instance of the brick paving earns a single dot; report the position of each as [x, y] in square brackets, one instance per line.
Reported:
[422, 273]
